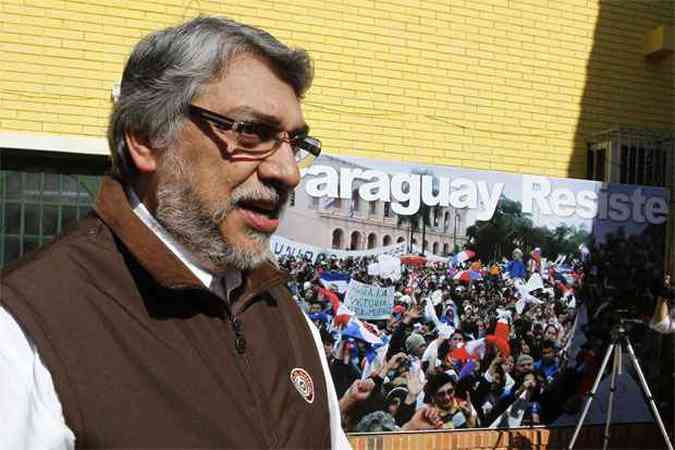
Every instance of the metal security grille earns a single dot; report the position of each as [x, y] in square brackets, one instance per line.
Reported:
[40, 196]
[632, 156]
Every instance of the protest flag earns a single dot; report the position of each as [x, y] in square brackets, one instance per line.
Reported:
[337, 281]
[476, 348]
[359, 329]
[341, 313]
[524, 297]
[467, 370]
[465, 276]
[461, 257]
[375, 357]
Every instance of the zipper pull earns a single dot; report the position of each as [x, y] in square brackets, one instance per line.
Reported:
[239, 340]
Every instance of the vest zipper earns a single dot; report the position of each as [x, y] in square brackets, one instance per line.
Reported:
[271, 437]
[241, 303]
[239, 339]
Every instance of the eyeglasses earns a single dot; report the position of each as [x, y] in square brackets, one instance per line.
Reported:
[445, 392]
[259, 140]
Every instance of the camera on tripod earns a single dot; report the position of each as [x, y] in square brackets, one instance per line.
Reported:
[623, 321]
[626, 318]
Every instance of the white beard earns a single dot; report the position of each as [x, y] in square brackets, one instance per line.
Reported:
[183, 214]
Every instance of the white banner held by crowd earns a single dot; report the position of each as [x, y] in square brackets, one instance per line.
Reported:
[369, 302]
[285, 247]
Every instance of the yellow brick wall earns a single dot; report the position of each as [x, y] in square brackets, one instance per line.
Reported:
[516, 85]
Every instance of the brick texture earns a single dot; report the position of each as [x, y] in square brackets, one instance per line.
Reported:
[514, 85]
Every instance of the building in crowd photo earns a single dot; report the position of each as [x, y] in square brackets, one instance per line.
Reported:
[354, 224]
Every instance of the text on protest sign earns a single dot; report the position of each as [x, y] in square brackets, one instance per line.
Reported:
[370, 302]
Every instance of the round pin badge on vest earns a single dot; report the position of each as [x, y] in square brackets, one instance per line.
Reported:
[303, 384]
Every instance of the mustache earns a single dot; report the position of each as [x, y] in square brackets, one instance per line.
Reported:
[276, 196]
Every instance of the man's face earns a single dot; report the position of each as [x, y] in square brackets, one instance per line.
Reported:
[444, 396]
[222, 209]
[419, 350]
[547, 354]
[524, 366]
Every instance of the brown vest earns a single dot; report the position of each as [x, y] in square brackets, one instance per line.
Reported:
[143, 357]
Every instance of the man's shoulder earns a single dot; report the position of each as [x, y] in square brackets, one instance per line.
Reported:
[71, 252]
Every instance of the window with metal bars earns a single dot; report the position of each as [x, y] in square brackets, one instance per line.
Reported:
[41, 193]
[632, 156]
[642, 164]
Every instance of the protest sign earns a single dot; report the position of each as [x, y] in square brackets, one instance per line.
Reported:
[369, 302]
[535, 282]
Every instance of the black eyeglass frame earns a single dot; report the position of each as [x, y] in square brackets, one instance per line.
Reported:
[299, 140]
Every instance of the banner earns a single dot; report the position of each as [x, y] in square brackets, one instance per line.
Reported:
[369, 302]
[281, 246]
[404, 235]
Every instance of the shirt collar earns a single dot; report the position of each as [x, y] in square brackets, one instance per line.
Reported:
[220, 284]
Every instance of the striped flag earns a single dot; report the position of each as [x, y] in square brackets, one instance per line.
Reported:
[467, 275]
[341, 314]
[460, 257]
[358, 329]
[336, 281]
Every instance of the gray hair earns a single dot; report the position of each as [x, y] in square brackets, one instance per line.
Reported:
[169, 68]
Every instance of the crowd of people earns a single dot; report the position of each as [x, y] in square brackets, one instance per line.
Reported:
[466, 344]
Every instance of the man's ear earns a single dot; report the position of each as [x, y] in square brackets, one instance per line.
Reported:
[143, 156]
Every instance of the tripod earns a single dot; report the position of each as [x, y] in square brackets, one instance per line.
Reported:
[619, 340]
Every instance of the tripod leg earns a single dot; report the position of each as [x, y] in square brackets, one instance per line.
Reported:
[591, 394]
[612, 388]
[647, 392]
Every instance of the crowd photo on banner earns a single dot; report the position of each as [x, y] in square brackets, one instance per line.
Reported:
[490, 335]
[450, 345]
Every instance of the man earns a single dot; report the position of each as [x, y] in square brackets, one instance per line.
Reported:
[162, 321]
[515, 268]
[519, 405]
[415, 345]
[548, 364]
[443, 409]
[490, 387]
[524, 365]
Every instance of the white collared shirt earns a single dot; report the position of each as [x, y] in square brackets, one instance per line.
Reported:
[31, 415]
